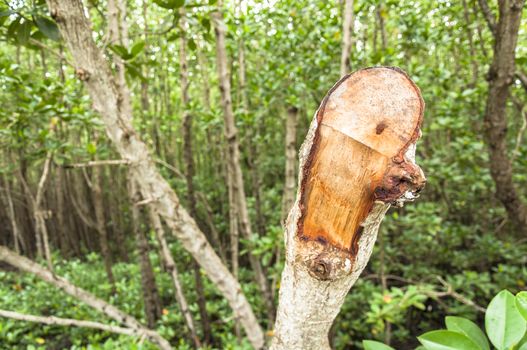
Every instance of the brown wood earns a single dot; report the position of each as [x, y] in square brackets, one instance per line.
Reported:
[367, 122]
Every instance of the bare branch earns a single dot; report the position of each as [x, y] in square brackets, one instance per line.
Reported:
[489, 16]
[98, 163]
[50, 50]
[100, 305]
[59, 321]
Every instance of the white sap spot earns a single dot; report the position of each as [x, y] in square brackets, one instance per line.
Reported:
[347, 264]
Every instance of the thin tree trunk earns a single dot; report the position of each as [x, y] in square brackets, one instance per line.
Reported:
[288, 196]
[384, 286]
[382, 27]
[351, 171]
[40, 215]
[98, 204]
[472, 50]
[189, 174]
[233, 158]
[152, 303]
[500, 77]
[96, 74]
[347, 27]
[171, 267]
[100, 305]
[17, 239]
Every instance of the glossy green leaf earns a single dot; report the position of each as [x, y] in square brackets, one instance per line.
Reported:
[447, 340]
[137, 48]
[23, 32]
[48, 28]
[468, 328]
[375, 345]
[121, 51]
[521, 303]
[504, 324]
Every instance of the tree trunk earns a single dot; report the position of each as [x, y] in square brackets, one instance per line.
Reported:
[288, 197]
[171, 267]
[91, 67]
[472, 50]
[189, 174]
[152, 303]
[500, 77]
[382, 27]
[357, 160]
[17, 238]
[347, 27]
[98, 204]
[233, 159]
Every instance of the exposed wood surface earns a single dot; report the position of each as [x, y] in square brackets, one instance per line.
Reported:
[366, 124]
[357, 160]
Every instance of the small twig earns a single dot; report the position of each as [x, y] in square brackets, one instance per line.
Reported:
[50, 50]
[452, 293]
[98, 163]
[170, 167]
[523, 78]
[523, 114]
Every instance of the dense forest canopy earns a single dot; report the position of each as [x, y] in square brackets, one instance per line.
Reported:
[222, 94]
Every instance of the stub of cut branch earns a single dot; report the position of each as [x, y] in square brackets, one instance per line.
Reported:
[356, 161]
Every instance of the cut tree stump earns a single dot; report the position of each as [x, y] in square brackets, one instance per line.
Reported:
[356, 161]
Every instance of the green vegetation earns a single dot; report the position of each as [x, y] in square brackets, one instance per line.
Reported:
[454, 250]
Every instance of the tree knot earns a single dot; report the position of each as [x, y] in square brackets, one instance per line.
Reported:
[402, 182]
[320, 268]
[82, 74]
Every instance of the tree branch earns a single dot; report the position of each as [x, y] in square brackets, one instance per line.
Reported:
[489, 16]
[59, 321]
[100, 305]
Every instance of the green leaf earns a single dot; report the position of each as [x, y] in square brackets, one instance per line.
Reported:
[521, 303]
[468, 328]
[170, 4]
[504, 324]
[375, 345]
[48, 28]
[192, 44]
[137, 48]
[121, 51]
[447, 340]
[205, 22]
[13, 28]
[91, 148]
[24, 29]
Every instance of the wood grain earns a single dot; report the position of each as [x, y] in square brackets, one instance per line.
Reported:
[366, 123]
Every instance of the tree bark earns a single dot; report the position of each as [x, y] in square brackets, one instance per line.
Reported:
[357, 160]
[100, 305]
[233, 159]
[91, 67]
[501, 76]
[347, 27]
